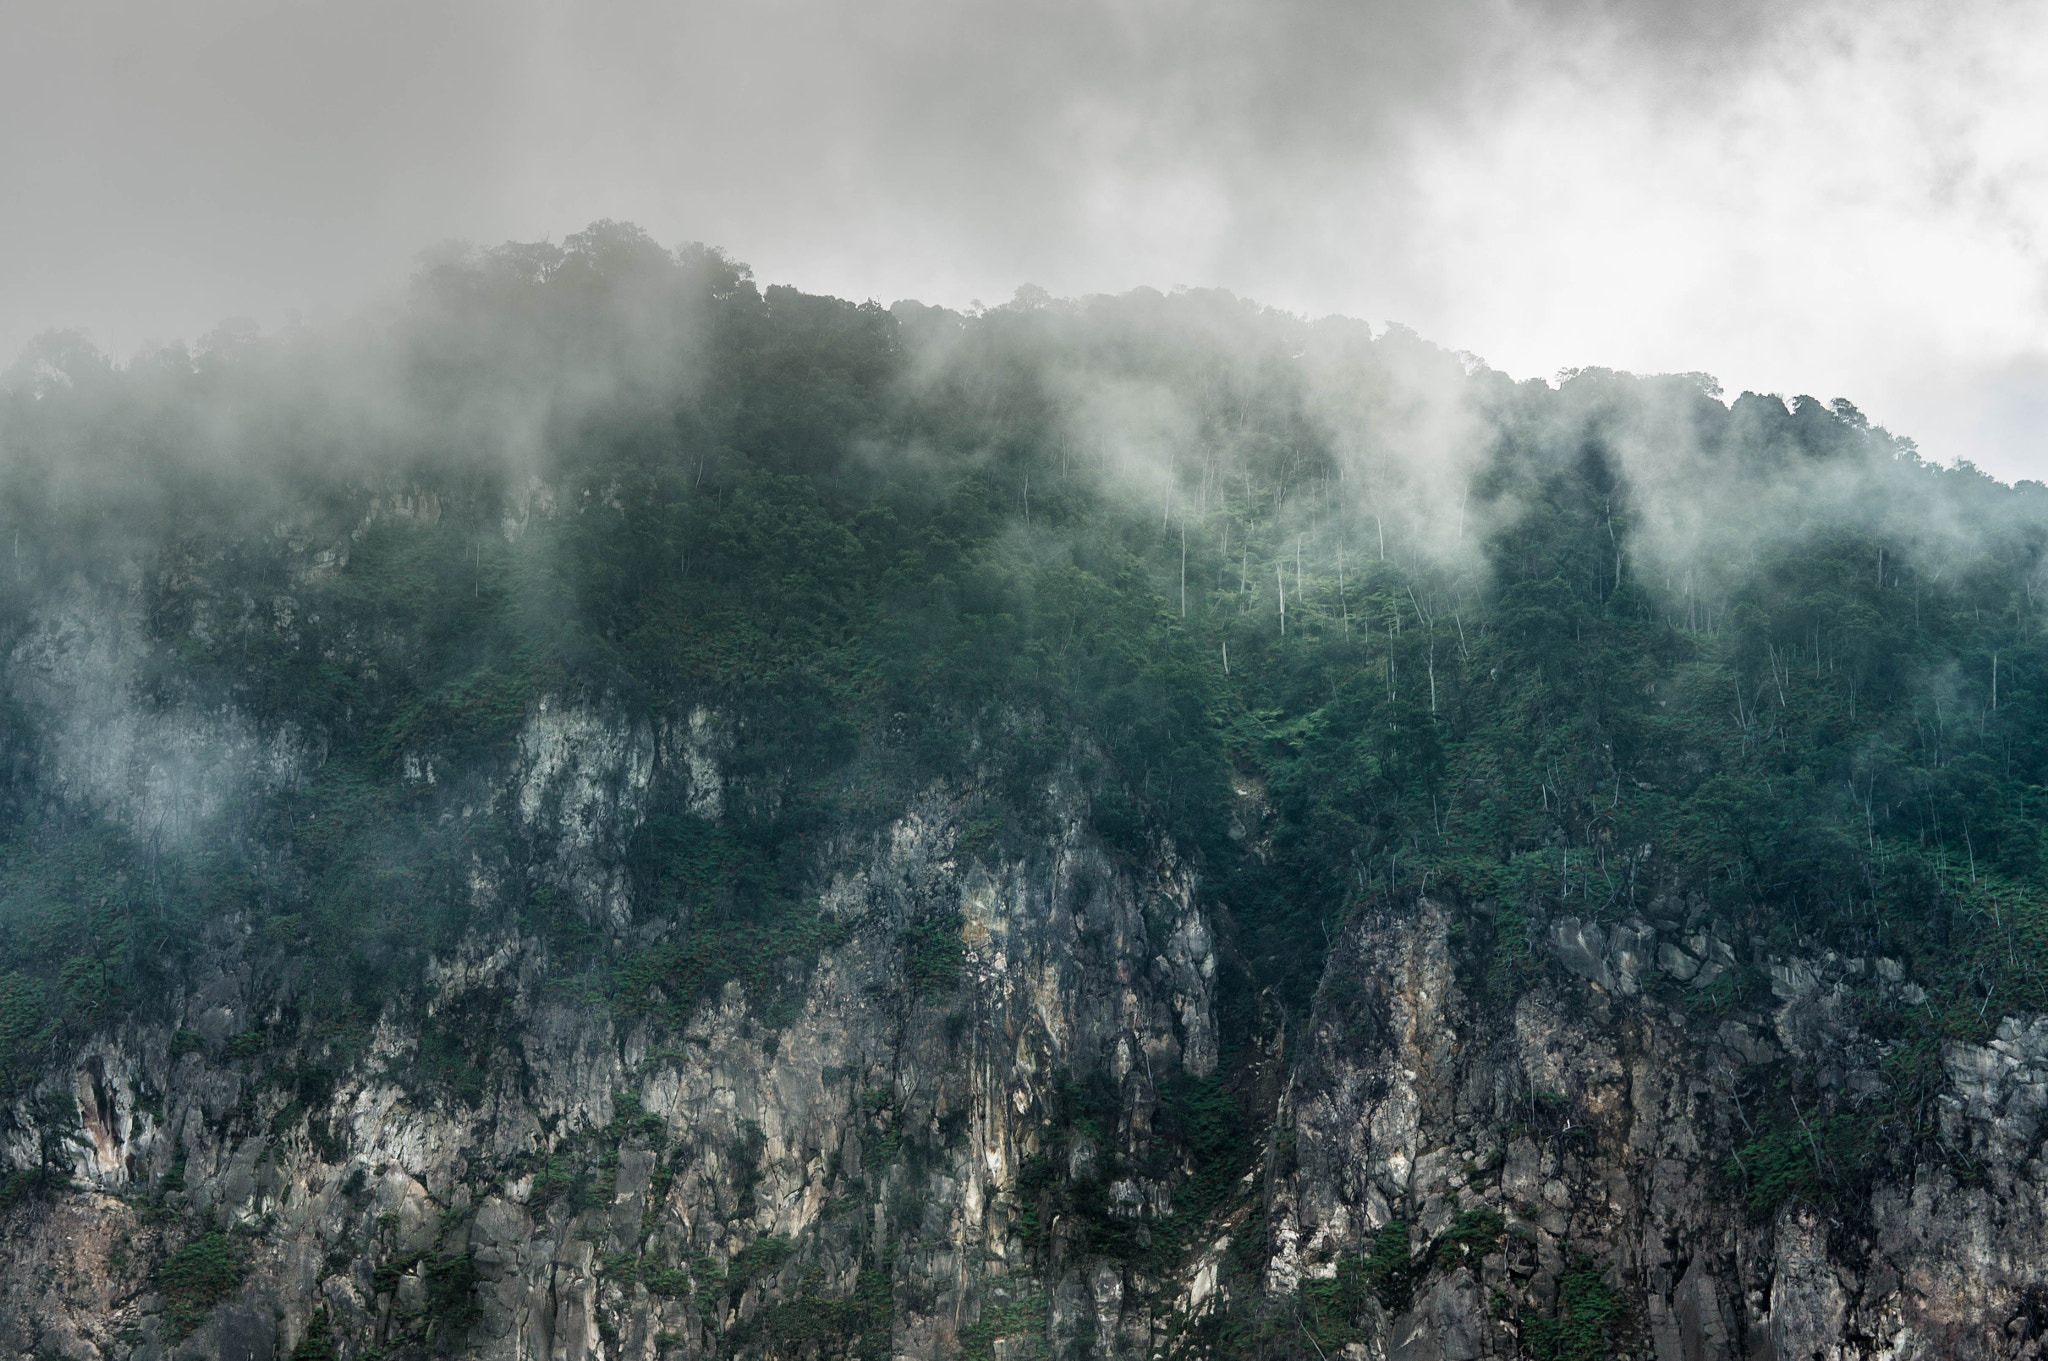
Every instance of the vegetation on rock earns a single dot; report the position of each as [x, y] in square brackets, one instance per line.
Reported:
[1335, 618]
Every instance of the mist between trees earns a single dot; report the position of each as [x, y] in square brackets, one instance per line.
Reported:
[1344, 617]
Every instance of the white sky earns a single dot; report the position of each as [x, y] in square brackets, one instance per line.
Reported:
[1800, 197]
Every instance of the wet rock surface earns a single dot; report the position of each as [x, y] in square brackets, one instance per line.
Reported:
[1591, 1130]
[862, 1168]
[618, 1186]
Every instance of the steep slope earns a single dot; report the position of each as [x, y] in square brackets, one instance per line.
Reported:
[1571, 1172]
[606, 1179]
[616, 813]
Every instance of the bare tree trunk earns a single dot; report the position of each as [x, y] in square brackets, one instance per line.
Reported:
[1345, 606]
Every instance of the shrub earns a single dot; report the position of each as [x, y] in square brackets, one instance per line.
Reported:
[318, 1342]
[197, 1277]
[1817, 1160]
[451, 1295]
[1583, 1326]
[1472, 1235]
[933, 959]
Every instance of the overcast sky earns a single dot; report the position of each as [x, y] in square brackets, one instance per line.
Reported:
[1796, 197]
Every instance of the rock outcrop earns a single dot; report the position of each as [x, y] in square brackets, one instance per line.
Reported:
[615, 1186]
[961, 1114]
[1588, 1131]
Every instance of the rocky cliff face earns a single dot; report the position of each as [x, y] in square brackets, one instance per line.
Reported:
[843, 1174]
[1568, 1156]
[965, 1115]
[855, 1175]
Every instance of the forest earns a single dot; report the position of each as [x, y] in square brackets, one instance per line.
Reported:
[1544, 649]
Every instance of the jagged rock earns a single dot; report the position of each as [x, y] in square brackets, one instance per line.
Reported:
[1582, 948]
[1446, 1325]
[1677, 962]
[1612, 1123]
[1071, 965]
[1585, 1122]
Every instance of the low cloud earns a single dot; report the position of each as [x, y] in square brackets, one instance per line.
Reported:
[1809, 197]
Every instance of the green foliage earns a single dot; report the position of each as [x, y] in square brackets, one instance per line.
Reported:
[1084, 1121]
[1419, 721]
[745, 1153]
[24, 1024]
[807, 1318]
[1721, 996]
[1201, 1121]
[317, 1342]
[197, 1277]
[842, 556]
[458, 1045]
[632, 1120]
[978, 836]
[672, 978]
[30, 1183]
[1388, 1270]
[1510, 962]
[671, 1282]
[933, 959]
[1582, 1327]
[1331, 1310]
[565, 1176]
[1822, 1159]
[388, 1274]
[1473, 1234]
[451, 1295]
[684, 863]
[1018, 1319]
[74, 931]
[759, 1258]
[1201, 1144]
[1328, 1310]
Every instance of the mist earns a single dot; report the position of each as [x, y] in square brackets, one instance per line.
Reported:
[1816, 198]
[603, 605]
[1100, 678]
[495, 375]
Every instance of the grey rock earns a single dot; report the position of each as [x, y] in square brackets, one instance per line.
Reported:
[1448, 1324]
[1677, 962]
[779, 1162]
[1582, 948]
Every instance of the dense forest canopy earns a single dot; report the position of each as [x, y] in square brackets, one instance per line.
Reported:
[1553, 649]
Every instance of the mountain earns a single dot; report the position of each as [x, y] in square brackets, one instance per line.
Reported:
[605, 811]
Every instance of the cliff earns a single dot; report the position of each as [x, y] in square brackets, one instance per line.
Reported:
[996, 1151]
[624, 814]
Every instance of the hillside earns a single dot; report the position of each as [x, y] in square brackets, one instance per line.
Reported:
[610, 811]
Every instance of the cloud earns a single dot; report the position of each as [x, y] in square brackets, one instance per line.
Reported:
[1795, 196]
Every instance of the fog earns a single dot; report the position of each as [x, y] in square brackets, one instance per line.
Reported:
[1809, 198]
